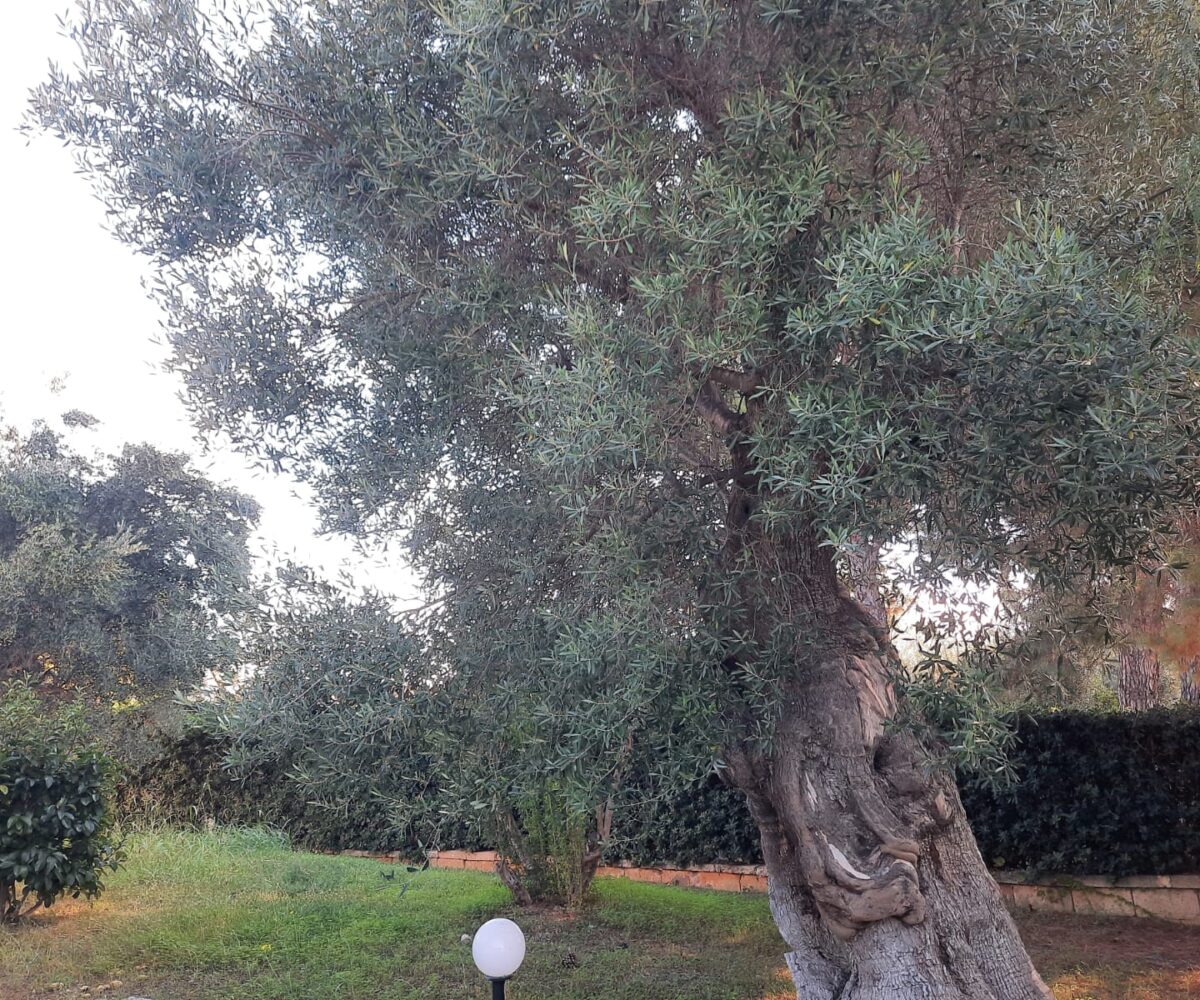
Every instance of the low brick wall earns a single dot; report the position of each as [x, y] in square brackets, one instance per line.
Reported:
[726, 878]
[1169, 897]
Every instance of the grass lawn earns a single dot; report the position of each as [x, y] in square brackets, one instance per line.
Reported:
[235, 914]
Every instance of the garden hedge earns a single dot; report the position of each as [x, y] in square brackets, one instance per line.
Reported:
[1111, 794]
[186, 784]
[1095, 793]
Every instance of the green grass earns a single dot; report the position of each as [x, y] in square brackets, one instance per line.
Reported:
[236, 914]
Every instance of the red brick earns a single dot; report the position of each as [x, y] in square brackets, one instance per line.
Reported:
[754, 883]
[452, 855]
[644, 874]
[722, 881]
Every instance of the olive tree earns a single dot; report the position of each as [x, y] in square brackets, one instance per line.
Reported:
[637, 324]
[355, 703]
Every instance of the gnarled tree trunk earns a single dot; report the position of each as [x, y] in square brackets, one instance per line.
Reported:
[875, 880]
[865, 561]
[1138, 684]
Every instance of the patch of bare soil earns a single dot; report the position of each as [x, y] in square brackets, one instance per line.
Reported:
[1114, 958]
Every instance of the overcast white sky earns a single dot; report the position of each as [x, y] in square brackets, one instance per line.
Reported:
[75, 309]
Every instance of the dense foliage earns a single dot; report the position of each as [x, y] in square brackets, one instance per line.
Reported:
[1092, 793]
[54, 815]
[635, 323]
[486, 298]
[1097, 794]
[117, 571]
[344, 697]
[187, 784]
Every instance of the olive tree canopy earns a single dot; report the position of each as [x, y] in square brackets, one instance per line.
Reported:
[635, 322]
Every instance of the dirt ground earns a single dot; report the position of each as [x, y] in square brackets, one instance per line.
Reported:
[1114, 958]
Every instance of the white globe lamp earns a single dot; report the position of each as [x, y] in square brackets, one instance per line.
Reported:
[498, 949]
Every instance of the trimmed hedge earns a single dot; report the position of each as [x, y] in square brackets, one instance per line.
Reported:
[707, 823]
[1097, 794]
[1113, 794]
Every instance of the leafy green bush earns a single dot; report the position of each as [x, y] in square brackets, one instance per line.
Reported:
[1094, 793]
[187, 784]
[1098, 794]
[54, 819]
[706, 823]
[550, 848]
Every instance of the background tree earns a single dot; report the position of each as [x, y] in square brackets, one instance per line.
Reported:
[1143, 209]
[1172, 635]
[344, 696]
[119, 571]
[631, 320]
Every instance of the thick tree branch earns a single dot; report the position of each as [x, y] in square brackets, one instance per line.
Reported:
[743, 382]
[714, 409]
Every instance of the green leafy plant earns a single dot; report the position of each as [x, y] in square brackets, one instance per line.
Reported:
[1095, 794]
[55, 828]
[550, 848]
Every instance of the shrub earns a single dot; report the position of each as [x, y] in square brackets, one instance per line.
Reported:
[705, 823]
[1096, 793]
[186, 783]
[54, 820]
[549, 848]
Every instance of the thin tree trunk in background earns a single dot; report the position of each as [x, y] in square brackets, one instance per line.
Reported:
[1139, 687]
[1189, 683]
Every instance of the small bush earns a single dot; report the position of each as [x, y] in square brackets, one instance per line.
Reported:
[550, 849]
[54, 818]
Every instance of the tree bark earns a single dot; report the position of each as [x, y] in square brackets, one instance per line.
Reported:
[1189, 683]
[8, 895]
[876, 883]
[866, 578]
[1138, 686]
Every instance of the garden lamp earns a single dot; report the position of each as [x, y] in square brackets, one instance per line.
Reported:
[498, 949]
